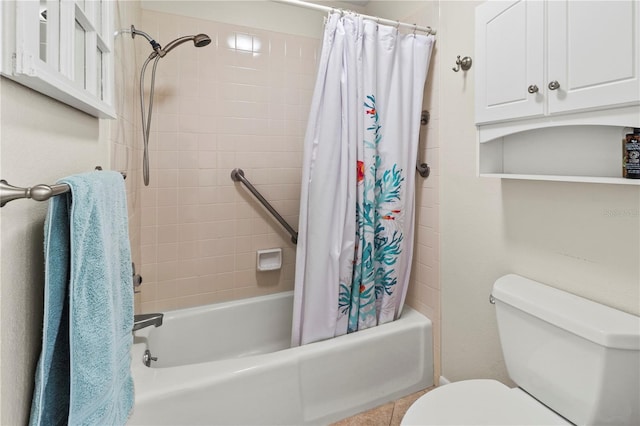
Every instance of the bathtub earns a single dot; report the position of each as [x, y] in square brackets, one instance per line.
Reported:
[231, 363]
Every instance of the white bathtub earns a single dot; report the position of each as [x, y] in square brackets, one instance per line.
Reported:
[230, 363]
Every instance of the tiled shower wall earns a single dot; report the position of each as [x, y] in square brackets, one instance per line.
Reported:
[124, 141]
[242, 102]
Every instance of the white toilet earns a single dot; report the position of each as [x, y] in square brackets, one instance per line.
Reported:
[574, 361]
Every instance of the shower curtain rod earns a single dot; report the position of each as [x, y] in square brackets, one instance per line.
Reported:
[328, 9]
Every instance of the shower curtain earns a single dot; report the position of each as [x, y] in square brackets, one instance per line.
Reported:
[355, 240]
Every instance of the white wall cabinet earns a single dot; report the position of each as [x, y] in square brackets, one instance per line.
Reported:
[509, 59]
[593, 54]
[590, 61]
[549, 65]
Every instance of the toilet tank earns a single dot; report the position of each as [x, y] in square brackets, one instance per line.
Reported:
[578, 357]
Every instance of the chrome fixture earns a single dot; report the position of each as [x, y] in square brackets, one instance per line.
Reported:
[237, 175]
[462, 64]
[137, 278]
[147, 358]
[554, 85]
[147, 320]
[423, 169]
[378, 20]
[40, 192]
[532, 89]
[424, 117]
[199, 40]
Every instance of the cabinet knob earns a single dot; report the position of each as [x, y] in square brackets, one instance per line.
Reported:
[532, 89]
[554, 85]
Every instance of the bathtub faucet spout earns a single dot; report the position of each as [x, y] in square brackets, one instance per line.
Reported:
[147, 320]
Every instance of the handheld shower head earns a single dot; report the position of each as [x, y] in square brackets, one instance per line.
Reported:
[199, 40]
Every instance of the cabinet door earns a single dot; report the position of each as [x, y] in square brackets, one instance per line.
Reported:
[509, 59]
[593, 54]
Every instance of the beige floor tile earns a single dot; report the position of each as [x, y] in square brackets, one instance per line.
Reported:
[379, 416]
[384, 415]
[402, 405]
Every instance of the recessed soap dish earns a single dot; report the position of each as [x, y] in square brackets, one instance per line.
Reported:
[269, 259]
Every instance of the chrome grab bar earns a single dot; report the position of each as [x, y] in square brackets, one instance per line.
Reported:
[237, 175]
[423, 169]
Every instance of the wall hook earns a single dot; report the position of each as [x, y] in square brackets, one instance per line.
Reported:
[464, 64]
[424, 117]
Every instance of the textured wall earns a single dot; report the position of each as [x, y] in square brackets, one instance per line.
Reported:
[582, 238]
[42, 140]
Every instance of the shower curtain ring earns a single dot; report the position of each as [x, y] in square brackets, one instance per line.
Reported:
[415, 27]
[398, 25]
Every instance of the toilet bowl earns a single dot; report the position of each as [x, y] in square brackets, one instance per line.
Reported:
[479, 402]
[574, 362]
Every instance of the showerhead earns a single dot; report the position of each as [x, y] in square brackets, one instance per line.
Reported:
[199, 40]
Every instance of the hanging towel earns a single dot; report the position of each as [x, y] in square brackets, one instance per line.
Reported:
[84, 372]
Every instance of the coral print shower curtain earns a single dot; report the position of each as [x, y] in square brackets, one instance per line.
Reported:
[357, 200]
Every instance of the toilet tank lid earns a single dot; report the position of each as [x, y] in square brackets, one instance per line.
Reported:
[598, 323]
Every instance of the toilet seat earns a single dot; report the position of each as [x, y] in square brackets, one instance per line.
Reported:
[479, 402]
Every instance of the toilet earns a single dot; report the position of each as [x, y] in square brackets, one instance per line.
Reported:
[574, 362]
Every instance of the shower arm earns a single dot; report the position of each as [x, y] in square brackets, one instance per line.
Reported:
[157, 49]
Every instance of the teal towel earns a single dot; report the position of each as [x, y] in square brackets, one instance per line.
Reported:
[84, 372]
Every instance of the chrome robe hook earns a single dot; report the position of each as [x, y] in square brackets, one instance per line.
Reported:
[464, 64]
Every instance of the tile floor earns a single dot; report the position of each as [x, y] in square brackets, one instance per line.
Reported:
[389, 414]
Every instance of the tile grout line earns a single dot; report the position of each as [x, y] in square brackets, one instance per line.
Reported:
[392, 412]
